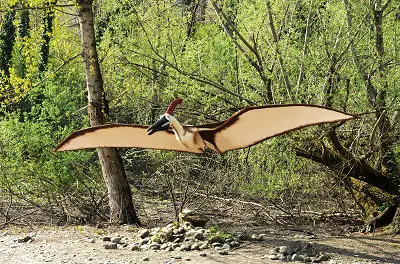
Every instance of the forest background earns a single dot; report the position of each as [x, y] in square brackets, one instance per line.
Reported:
[219, 56]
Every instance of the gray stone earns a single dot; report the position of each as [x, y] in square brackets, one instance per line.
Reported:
[133, 247]
[144, 233]
[296, 257]
[116, 240]
[307, 259]
[155, 246]
[144, 247]
[283, 250]
[226, 247]
[175, 245]
[204, 246]
[26, 238]
[216, 244]
[164, 246]
[178, 240]
[323, 257]
[110, 246]
[217, 239]
[186, 247]
[106, 238]
[196, 246]
[144, 241]
[199, 235]
[91, 240]
[235, 244]
[223, 252]
[273, 257]
[217, 248]
[170, 225]
[260, 237]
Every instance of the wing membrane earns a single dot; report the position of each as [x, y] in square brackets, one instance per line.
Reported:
[252, 125]
[121, 136]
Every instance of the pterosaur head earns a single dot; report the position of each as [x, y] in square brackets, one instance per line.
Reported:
[163, 123]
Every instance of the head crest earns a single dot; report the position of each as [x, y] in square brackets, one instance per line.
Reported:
[172, 106]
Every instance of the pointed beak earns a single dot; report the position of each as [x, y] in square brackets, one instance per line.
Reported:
[159, 125]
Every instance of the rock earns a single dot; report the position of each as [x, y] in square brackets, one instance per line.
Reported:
[164, 246]
[26, 238]
[223, 252]
[116, 240]
[175, 245]
[283, 250]
[215, 239]
[235, 244]
[178, 240]
[134, 247]
[296, 257]
[144, 241]
[216, 244]
[226, 247]
[203, 254]
[144, 233]
[260, 237]
[145, 259]
[91, 240]
[106, 238]
[155, 246]
[186, 247]
[144, 247]
[273, 257]
[203, 246]
[307, 259]
[110, 246]
[217, 248]
[323, 257]
[315, 260]
[199, 235]
[170, 226]
[196, 246]
[181, 230]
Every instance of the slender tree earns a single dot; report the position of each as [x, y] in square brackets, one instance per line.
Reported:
[119, 192]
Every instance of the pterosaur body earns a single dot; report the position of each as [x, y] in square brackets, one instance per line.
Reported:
[245, 128]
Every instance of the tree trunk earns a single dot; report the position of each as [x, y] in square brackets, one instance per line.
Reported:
[119, 192]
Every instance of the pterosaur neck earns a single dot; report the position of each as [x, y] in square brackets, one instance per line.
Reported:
[178, 128]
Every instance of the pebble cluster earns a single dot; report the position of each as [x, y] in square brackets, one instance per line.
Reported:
[299, 251]
[172, 238]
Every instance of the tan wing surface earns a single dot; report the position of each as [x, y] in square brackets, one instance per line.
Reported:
[121, 136]
[252, 125]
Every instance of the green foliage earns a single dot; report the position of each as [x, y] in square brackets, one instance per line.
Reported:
[147, 59]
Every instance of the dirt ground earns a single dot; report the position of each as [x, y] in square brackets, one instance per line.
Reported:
[83, 244]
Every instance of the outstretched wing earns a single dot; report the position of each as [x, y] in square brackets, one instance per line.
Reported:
[252, 125]
[121, 136]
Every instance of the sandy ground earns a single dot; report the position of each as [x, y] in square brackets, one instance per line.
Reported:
[84, 244]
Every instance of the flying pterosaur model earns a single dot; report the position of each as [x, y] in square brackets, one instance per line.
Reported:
[245, 128]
